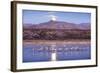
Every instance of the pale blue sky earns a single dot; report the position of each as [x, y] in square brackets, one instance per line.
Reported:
[36, 17]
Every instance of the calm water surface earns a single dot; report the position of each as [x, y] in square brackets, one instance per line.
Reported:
[38, 52]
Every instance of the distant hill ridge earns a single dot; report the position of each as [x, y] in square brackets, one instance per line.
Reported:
[58, 25]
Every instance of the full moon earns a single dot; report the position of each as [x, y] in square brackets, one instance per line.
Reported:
[53, 18]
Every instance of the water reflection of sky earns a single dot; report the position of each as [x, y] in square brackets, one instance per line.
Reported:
[38, 53]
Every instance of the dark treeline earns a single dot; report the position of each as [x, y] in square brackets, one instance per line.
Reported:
[55, 34]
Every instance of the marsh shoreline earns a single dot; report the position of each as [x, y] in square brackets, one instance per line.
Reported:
[56, 41]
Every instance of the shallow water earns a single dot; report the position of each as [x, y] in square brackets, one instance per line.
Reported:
[38, 52]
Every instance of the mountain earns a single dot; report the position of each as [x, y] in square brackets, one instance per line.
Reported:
[57, 25]
[84, 26]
